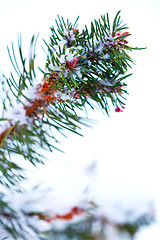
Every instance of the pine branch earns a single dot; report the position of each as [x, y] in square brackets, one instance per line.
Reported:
[81, 67]
[79, 222]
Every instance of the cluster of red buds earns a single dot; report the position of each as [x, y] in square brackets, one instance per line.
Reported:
[76, 95]
[72, 64]
[45, 86]
[75, 211]
[49, 93]
[122, 39]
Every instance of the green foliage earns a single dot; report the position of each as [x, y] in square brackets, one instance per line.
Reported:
[82, 68]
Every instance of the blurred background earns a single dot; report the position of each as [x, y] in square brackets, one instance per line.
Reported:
[116, 162]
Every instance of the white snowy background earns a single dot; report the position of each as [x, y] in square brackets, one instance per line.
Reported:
[117, 162]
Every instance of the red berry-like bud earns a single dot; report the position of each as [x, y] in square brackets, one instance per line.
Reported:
[75, 60]
[118, 33]
[118, 109]
[75, 30]
[125, 33]
[125, 41]
[76, 95]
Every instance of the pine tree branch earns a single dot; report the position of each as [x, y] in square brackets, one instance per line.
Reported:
[80, 66]
[87, 217]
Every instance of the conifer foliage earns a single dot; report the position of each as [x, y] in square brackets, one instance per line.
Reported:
[83, 67]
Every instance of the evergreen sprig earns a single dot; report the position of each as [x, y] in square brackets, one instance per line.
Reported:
[82, 67]
[26, 225]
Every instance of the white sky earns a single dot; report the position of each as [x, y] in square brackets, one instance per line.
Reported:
[124, 146]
